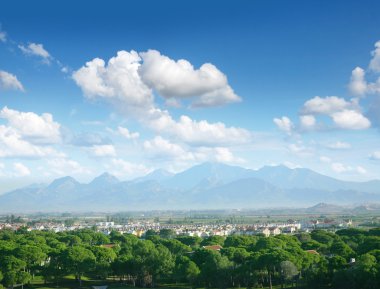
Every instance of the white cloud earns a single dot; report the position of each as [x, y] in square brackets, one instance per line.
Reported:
[361, 170]
[224, 155]
[344, 114]
[300, 150]
[9, 81]
[179, 79]
[36, 50]
[350, 119]
[103, 150]
[117, 82]
[127, 170]
[63, 166]
[163, 148]
[338, 145]
[325, 159]
[284, 124]
[160, 148]
[374, 64]
[308, 122]
[120, 84]
[291, 165]
[129, 79]
[3, 36]
[358, 84]
[375, 156]
[35, 128]
[196, 132]
[13, 145]
[127, 134]
[340, 168]
[327, 105]
[20, 170]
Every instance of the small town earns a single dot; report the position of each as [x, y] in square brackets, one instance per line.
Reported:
[139, 228]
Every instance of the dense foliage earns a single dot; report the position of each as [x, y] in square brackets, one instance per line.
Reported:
[320, 259]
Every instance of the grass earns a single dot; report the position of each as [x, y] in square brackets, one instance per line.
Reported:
[69, 283]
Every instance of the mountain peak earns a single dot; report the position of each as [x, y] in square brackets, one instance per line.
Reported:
[64, 181]
[156, 175]
[105, 179]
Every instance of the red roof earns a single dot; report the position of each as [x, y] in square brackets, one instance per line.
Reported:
[108, 245]
[213, 247]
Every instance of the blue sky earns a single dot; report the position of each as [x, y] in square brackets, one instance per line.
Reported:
[128, 87]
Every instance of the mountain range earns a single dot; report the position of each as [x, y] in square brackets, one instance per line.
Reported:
[204, 186]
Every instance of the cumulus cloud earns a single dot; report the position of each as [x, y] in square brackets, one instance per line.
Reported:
[117, 82]
[127, 134]
[35, 49]
[284, 124]
[341, 168]
[325, 159]
[375, 61]
[130, 77]
[33, 127]
[196, 132]
[103, 150]
[344, 114]
[358, 84]
[20, 170]
[361, 170]
[338, 145]
[360, 87]
[163, 148]
[9, 81]
[326, 105]
[13, 145]
[179, 79]
[3, 36]
[308, 122]
[300, 150]
[64, 166]
[375, 156]
[88, 139]
[125, 169]
[350, 119]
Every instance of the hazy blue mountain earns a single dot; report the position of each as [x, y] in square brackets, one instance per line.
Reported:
[63, 184]
[157, 175]
[103, 181]
[284, 177]
[206, 186]
[206, 175]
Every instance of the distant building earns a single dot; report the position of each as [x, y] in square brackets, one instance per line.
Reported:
[213, 247]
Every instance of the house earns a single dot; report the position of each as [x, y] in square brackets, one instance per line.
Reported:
[264, 231]
[213, 247]
[275, 231]
[312, 252]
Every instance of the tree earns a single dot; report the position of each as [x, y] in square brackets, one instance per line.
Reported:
[104, 257]
[190, 241]
[213, 240]
[288, 271]
[185, 270]
[79, 261]
[216, 270]
[167, 233]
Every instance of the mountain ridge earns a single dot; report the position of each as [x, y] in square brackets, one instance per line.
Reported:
[208, 186]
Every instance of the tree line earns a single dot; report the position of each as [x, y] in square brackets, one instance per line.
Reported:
[347, 259]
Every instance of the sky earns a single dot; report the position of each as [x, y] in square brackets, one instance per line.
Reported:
[127, 87]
